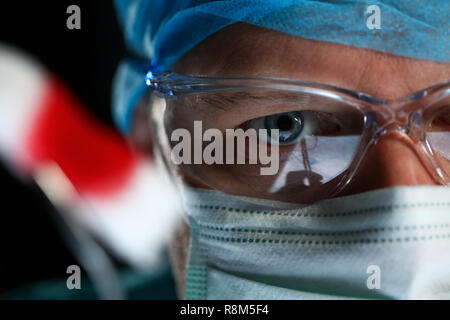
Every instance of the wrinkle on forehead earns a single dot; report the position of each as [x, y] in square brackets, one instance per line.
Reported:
[244, 50]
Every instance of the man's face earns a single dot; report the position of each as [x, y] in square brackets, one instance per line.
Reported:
[247, 51]
[243, 50]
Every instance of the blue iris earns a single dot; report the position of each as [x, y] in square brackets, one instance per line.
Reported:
[290, 125]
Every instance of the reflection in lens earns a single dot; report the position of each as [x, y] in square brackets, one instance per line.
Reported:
[310, 167]
[437, 126]
[440, 141]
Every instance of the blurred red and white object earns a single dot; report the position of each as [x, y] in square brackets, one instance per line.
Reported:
[115, 193]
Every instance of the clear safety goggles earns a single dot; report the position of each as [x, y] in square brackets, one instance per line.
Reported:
[324, 131]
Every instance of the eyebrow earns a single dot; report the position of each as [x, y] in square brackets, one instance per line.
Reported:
[225, 101]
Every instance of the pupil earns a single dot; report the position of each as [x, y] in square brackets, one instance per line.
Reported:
[289, 125]
[284, 123]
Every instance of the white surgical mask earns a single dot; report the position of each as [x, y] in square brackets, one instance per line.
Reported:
[384, 244]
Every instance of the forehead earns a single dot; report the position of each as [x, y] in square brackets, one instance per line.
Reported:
[245, 50]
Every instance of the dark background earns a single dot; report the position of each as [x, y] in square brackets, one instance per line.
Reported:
[31, 248]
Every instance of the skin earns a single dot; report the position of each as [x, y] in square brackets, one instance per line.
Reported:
[243, 50]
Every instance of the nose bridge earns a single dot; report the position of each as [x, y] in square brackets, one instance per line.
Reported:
[402, 118]
[406, 130]
[394, 158]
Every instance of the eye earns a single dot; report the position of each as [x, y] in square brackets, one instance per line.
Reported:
[297, 125]
[441, 120]
[437, 128]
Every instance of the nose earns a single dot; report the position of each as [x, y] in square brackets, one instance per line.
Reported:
[391, 162]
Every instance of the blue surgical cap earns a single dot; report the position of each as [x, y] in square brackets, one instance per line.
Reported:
[162, 31]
